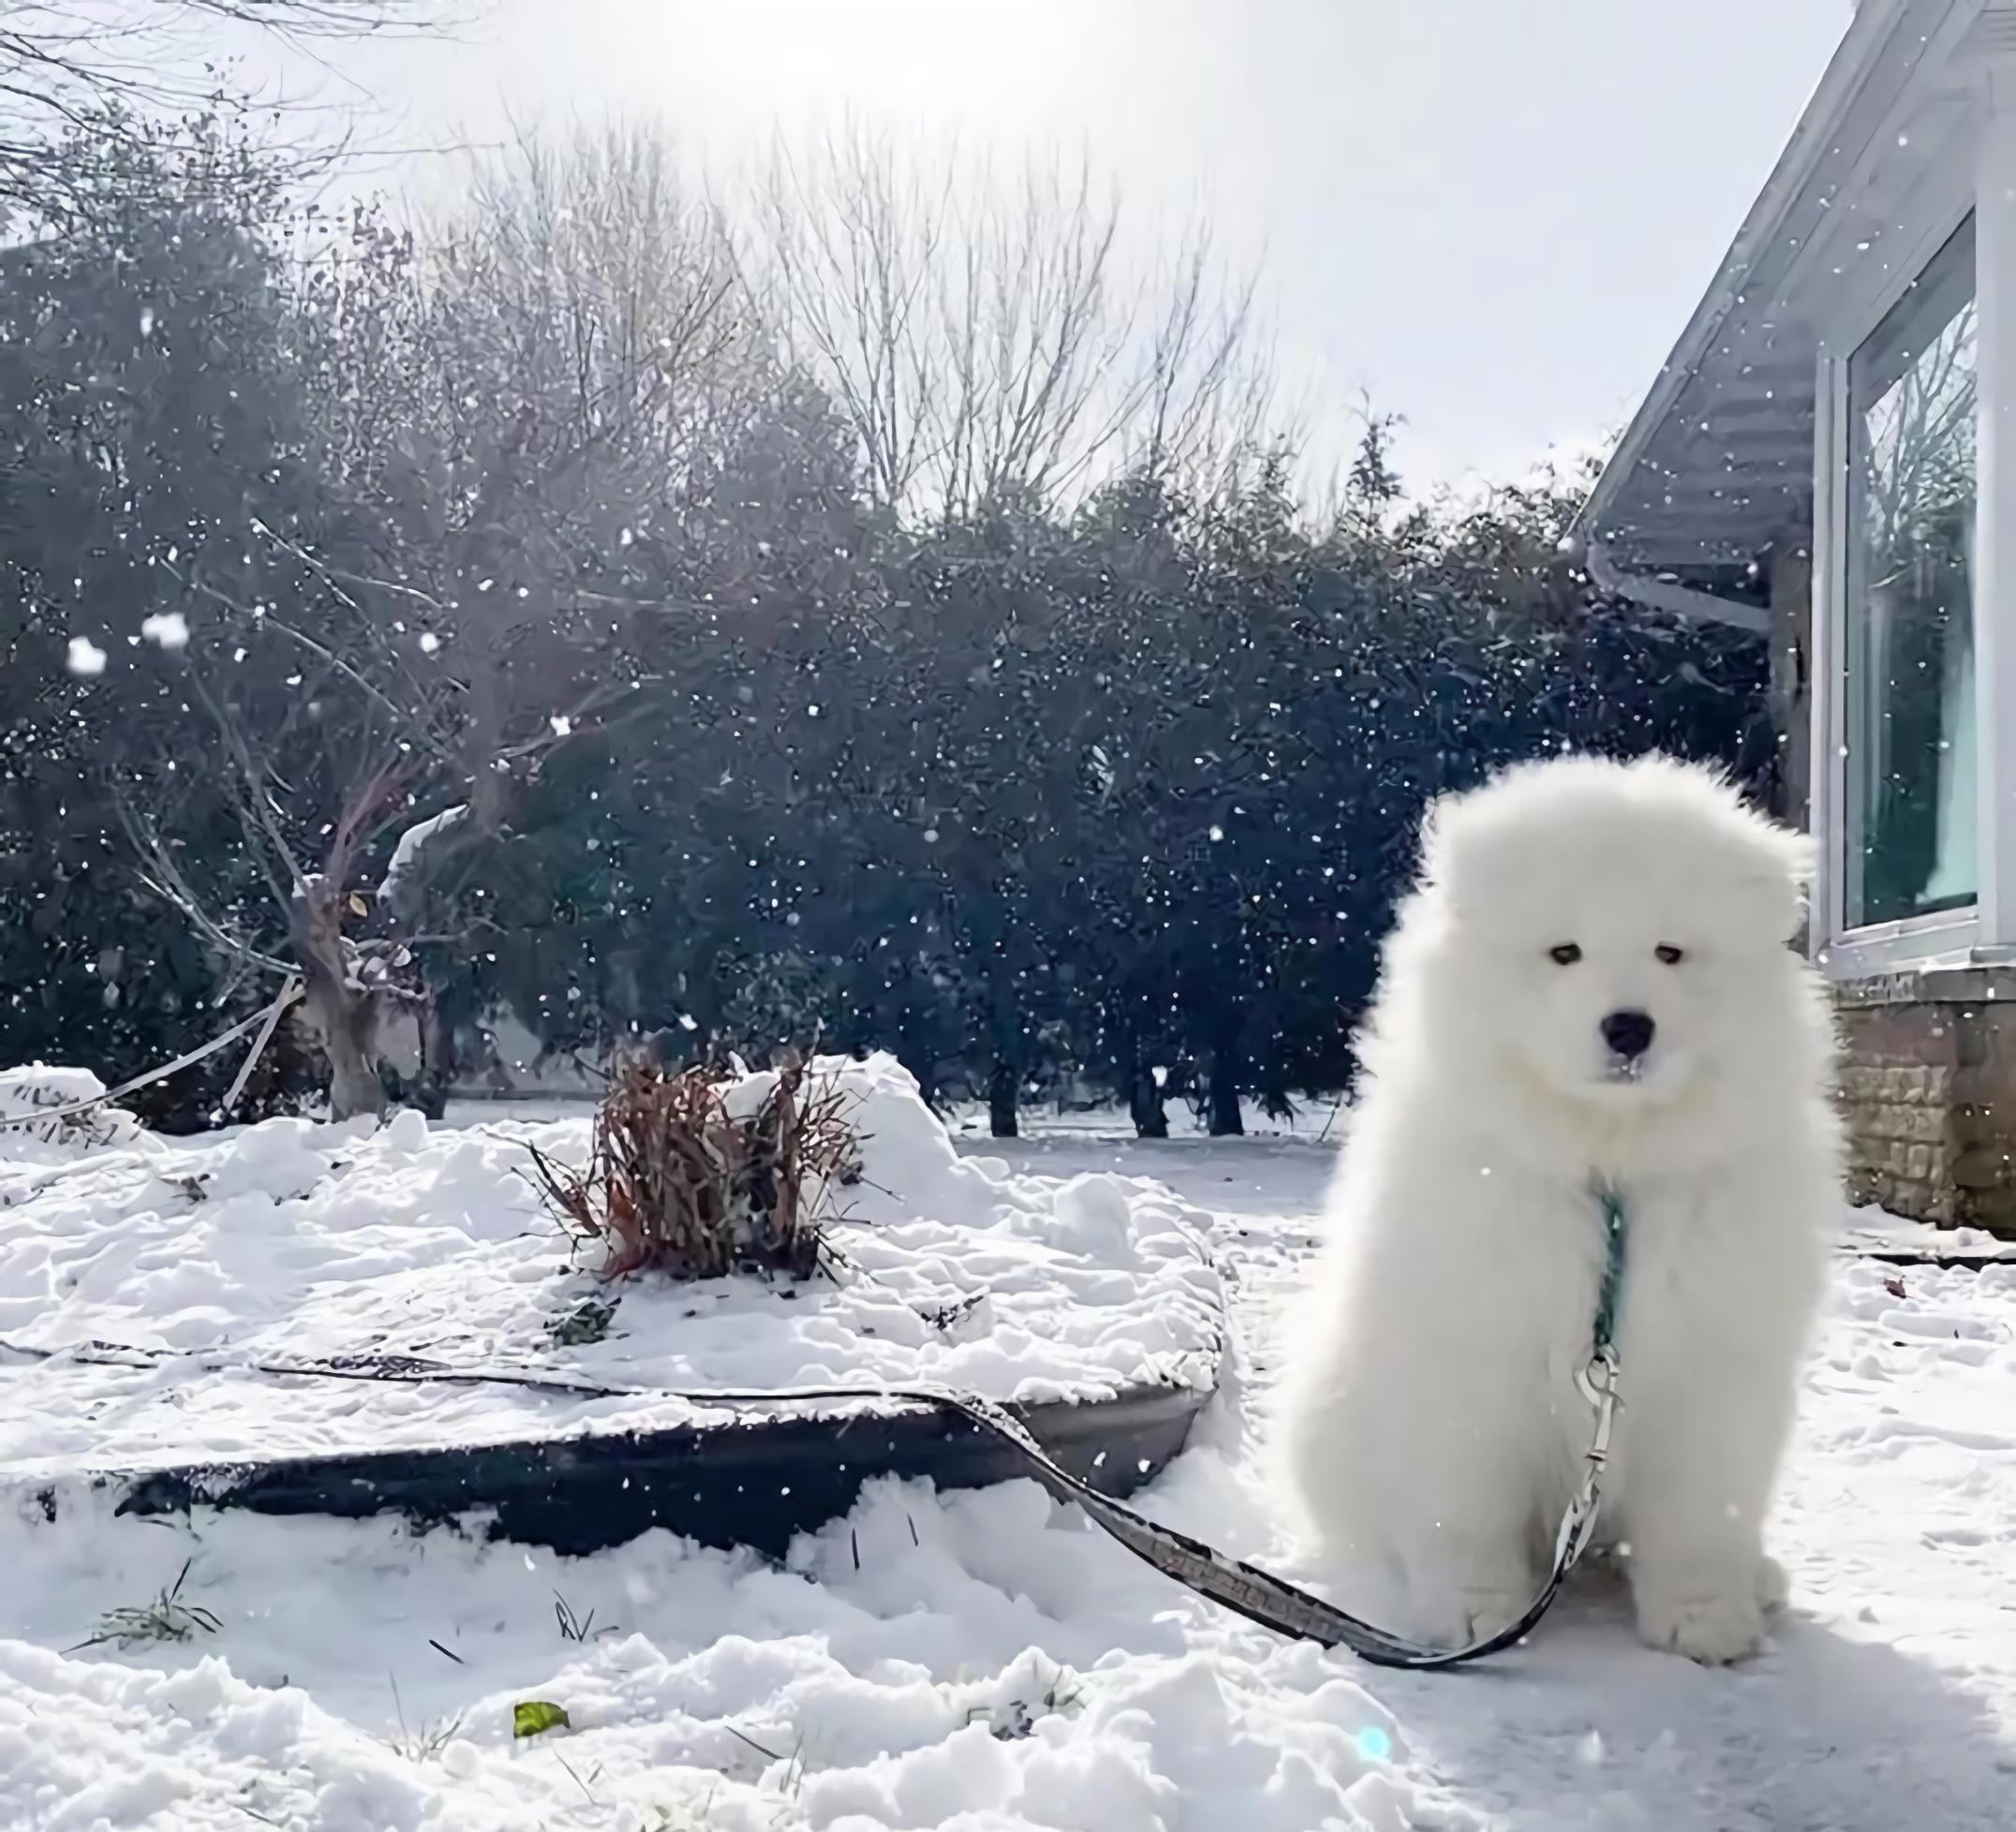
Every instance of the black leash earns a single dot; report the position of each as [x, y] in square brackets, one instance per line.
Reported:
[1249, 1591]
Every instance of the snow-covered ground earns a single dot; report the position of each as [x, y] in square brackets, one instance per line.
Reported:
[983, 1663]
[290, 1240]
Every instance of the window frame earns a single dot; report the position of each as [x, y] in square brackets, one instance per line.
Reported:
[1940, 938]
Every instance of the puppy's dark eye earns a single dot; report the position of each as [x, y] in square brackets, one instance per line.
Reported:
[1668, 955]
[1565, 955]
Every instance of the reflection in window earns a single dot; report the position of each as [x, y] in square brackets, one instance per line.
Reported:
[1910, 649]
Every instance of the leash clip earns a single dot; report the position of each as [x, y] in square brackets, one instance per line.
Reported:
[1599, 1385]
[1597, 1382]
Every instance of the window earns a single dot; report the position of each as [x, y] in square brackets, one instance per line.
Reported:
[1911, 761]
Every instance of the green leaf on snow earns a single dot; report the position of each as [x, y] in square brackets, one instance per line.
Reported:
[534, 1717]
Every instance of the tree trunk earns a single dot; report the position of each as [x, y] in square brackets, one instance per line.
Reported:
[1222, 1096]
[1274, 1098]
[439, 1065]
[1001, 1088]
[1152, 1121]
[344, 1012]
[924, 1067]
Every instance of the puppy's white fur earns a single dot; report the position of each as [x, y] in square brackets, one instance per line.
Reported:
[1430, 1429]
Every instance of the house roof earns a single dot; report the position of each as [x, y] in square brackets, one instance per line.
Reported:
[1717, 464]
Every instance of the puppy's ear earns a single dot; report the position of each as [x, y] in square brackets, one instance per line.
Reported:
[1455, 826]
[1799, 858]
[1438, 821]
[1784, 863]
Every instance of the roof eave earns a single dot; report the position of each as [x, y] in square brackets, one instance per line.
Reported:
[1860, 48]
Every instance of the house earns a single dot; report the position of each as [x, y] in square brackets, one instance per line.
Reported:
[1829, 455]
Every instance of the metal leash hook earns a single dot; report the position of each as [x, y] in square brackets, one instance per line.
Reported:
[1599, 1385]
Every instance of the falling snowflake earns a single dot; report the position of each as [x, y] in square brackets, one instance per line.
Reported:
[169, 628]
[85, 658]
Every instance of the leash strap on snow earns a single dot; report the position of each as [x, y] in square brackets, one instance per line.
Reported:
[1274, 1603]
[267, 1016]
[1257, 1595]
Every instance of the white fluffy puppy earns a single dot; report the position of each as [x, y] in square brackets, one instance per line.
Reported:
[1590, 988]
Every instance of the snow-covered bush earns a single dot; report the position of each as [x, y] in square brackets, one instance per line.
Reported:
[30, 1096]
[698, 1171]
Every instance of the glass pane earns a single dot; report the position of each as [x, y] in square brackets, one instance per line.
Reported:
[1910, 724]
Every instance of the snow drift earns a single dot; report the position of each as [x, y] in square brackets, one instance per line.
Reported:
[292, 1239]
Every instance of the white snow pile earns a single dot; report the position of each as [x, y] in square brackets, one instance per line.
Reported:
[291, 1240]
[404, 866]
[978, 1663]
[984, 1662]
[1872, 1229]
[28, 1099]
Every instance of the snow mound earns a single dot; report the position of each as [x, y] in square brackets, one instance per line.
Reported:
[1875, 1230]
[976, 1663]
[292, 1239]
[404, 869]
[980, 1661]
[29, 1095]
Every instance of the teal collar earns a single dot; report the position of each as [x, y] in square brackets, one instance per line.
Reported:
[1616, 1235]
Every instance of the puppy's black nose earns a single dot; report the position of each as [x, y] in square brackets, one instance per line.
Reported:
[1628, 1033]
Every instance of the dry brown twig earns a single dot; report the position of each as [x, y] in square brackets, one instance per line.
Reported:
[678, 1181]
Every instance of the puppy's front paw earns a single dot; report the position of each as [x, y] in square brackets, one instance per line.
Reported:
[1489, 1607]
[1775, 1588]
[1714, 1628]
[1455, 1608]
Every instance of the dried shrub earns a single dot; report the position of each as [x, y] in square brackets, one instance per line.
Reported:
[678, 1182]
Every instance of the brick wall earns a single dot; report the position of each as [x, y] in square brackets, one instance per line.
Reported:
[1928, 1091]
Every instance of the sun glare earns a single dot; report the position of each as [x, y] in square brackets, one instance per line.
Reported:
[920, 58]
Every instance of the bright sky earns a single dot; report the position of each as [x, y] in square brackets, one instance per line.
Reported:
[1494, 215]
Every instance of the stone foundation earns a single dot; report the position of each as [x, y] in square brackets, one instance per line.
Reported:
[1928, 1090]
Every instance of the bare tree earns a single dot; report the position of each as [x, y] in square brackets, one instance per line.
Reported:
[984, 339]
[501, 412]
[514, 405]
[1916, 446]
[538, 430]
[76, 71]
